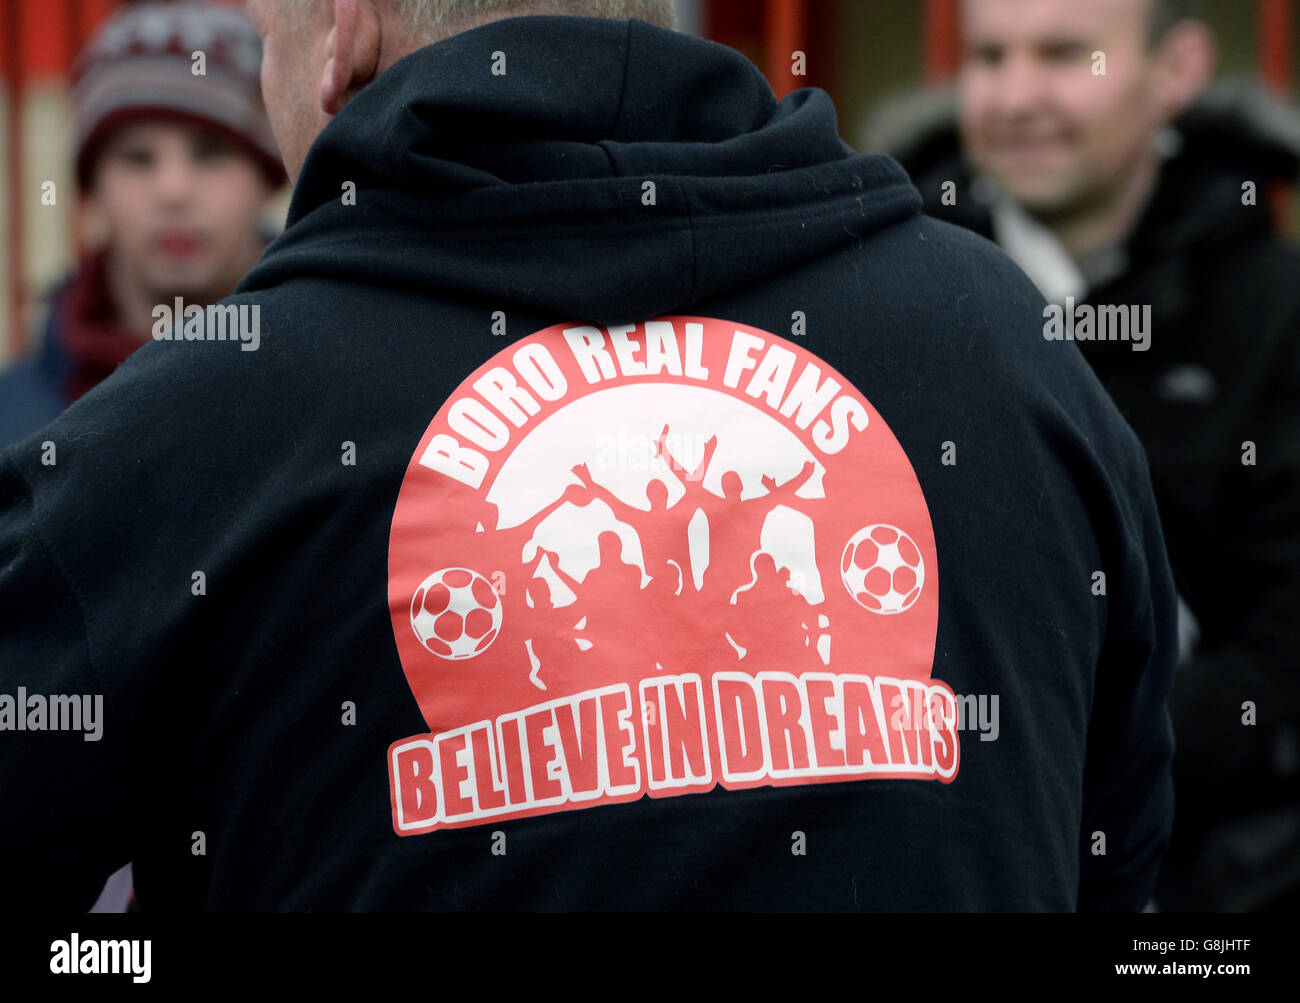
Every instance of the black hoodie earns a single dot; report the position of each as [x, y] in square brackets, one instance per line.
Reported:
[631, 502]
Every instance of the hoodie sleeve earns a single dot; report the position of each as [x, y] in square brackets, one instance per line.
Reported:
[62, 793]
[1128, 797]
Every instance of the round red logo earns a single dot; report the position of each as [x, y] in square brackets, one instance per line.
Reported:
[655, 558]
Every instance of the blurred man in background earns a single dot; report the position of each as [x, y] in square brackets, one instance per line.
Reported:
[176, 161]
[1086, 145]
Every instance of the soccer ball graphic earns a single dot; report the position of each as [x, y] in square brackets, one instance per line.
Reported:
[882, 569]
[456, 613]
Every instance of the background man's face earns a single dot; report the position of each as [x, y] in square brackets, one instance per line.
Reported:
[1036, 119]
[294, 36]
[180, 205]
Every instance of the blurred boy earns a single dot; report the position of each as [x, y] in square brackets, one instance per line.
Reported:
[176, 167]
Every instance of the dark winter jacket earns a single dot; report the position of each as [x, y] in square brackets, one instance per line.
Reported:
[33, 389]
[80, 342]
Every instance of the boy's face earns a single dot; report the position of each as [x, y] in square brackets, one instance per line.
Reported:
[179, 203]
[1037, 117]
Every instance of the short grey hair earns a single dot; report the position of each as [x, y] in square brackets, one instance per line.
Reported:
[439, 18]
[436, 13]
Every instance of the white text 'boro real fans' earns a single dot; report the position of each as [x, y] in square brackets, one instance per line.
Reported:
[655, 559]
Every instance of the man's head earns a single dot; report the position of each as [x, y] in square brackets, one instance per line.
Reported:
[318, 55]
[1062, 100]
[174, 152]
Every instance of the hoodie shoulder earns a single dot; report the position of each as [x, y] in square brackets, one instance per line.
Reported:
[967, 312]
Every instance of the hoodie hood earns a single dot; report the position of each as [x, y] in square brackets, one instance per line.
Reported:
[588, 167]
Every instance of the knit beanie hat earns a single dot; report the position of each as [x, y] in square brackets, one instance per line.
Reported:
[143, 64]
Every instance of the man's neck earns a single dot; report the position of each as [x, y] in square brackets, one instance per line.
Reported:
[1093, 228]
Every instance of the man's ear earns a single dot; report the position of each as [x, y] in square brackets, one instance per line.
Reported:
[351, 53]
[1187, 58]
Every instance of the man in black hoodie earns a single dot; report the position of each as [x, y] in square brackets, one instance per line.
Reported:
[1085, 143]
[629, 501]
